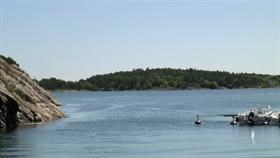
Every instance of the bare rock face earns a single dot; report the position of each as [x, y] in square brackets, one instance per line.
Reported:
[22, 100]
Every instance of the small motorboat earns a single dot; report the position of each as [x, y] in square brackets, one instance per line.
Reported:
[261, 115]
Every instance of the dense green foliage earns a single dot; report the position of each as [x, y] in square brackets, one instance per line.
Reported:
[166, 78]
[9, 60]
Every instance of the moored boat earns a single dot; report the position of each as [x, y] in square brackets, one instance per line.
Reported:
[262, 115]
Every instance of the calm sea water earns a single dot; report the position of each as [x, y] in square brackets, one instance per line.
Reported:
[150, 124]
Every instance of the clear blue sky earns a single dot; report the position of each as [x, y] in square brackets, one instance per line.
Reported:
[79, 38]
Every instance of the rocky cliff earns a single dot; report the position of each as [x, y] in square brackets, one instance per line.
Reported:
[22, 100]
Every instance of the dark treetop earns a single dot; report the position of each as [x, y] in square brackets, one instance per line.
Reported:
[165, 78]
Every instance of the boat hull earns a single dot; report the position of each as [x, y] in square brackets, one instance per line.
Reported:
[271, 119]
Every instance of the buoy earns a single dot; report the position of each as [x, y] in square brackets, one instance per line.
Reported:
[233, 122]
[197, 121]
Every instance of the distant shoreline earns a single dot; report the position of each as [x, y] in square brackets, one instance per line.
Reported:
[165, 79]
[54, 91]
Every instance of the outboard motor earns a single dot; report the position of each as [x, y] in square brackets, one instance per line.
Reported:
[234, 120]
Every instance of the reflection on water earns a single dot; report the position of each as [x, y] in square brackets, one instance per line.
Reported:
[148, 124]
[12, 145]
[252, 135]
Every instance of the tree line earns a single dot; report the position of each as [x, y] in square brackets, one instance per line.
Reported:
[164, 78]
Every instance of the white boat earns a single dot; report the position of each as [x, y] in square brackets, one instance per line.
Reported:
[262, 115]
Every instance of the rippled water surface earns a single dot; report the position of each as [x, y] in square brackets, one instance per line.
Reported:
[150, 124]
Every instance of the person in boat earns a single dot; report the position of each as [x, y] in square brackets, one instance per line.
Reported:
[251, 118]
[251, 114]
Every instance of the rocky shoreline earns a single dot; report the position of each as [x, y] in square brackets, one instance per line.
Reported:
[22, 100]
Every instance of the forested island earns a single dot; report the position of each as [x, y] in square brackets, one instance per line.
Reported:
[165, 78]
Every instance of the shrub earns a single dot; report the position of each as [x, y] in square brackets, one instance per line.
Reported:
[9, 60]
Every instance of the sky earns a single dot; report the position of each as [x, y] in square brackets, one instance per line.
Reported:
[74, 39]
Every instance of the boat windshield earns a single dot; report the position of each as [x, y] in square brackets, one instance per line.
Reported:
[262, 110]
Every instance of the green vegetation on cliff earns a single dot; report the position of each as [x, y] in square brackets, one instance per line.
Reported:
[9, 60]
[23, 101]
[165, 78]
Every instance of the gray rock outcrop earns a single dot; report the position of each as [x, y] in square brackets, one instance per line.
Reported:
[22, 100]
